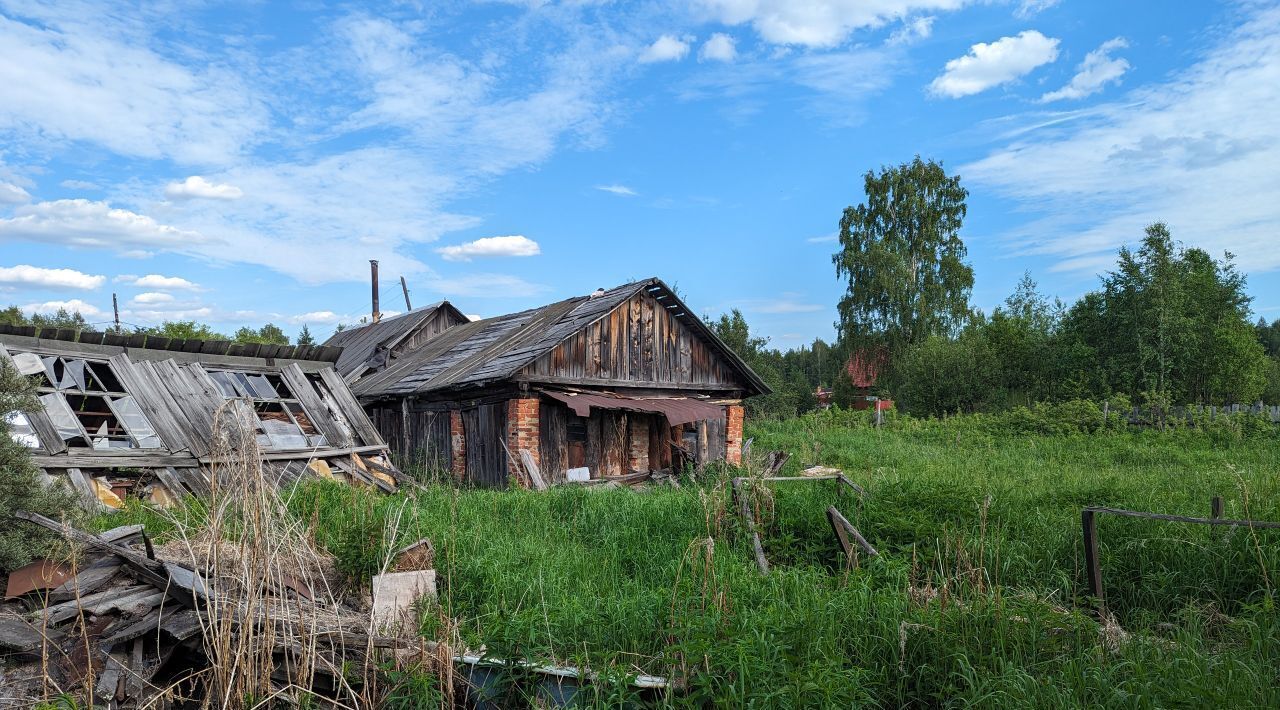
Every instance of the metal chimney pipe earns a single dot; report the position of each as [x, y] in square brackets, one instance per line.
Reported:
[373, 274]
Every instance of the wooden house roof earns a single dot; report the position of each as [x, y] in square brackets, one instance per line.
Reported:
[363, 346]
[481, 352]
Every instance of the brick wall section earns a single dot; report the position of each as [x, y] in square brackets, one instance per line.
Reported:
[523, 433]
[733, 434]
[638, 451]
[458, 442]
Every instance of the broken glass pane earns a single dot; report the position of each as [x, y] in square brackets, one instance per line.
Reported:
[135, 422]
[64, 420]
[28, 363]
[284, 435]
[242, 384]
[72, 375]
[223, 381]
[99, 378]
[20, 429]
[262, 388]
[318, 441]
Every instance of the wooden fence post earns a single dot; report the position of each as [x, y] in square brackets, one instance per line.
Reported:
[1215, 507]
[1089, 523]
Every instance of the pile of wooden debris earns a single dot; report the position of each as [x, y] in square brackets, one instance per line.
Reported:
[131, 628]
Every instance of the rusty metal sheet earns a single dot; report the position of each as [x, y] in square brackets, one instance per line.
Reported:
[677, 411]
[39, 575]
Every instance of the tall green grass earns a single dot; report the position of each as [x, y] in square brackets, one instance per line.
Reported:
[977, 598]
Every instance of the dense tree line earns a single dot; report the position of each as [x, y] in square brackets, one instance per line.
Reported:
[1169, 326]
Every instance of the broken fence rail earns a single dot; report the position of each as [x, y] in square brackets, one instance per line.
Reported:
[843, 530]
[1089, 527]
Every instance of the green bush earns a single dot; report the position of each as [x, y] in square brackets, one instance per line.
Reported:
[20, 486]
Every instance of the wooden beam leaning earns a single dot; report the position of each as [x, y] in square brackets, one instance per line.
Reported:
[749, 518]
[844, 529]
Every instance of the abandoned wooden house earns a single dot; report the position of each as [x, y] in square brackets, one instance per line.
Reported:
[141, 416]
[624, 380]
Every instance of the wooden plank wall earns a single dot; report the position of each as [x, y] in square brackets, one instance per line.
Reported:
[418, 439]
[435, 325]
[485, 429]
[640, 341]
[553, 443]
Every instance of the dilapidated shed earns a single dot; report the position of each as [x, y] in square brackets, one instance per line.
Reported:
[623, 380]
[137, 415]
[370, 347]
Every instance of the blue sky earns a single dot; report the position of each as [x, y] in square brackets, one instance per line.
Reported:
[239, 162]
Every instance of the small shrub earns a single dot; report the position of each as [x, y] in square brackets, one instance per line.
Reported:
[20, 486]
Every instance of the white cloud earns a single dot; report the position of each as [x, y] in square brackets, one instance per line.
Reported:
[88, 310]
[36, 277]
[719, 48]
[818, 23]
[514, 245]
[321, 317]
[67, 77]
[83, 223]
[1096, 71]
[992, 64]
[474, 317]
[152, 298]
[824, 239]
[11, 194]
[666, 48]
[158, 282]
[911, 31]
[1198, 151]
[196, 187]
[620, 190]
[80, 185]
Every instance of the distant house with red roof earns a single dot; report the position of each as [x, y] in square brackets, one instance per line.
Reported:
[864, 367]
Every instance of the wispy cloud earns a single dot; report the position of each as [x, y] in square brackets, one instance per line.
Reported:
[1198, 151]
[1097, 70]
[818, 23]
[83, 223]
[621, 190]
[487, 286]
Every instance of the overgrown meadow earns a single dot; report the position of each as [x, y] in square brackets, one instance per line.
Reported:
[978, 597]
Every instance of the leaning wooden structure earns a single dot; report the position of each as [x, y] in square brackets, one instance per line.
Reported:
[134, 416]
[621, 381]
